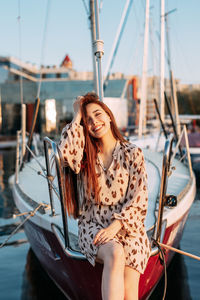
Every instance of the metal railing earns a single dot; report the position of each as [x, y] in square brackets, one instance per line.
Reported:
[49, 143]
[21, 145]
[185, 135]
[163, 186]
[51, 158]
[168, 157]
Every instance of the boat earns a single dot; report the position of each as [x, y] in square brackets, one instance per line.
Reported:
[195, 157]
[7, 142]
[194, 144]
[38, 191]
[54, 236]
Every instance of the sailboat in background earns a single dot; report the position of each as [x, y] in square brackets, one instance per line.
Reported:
[155, 139]
[144, 139]
[6, 142]
[156, 136]
[38, 192]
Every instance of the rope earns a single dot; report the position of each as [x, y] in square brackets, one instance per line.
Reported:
[46, 177]
[179, 251]
[34, 156]
[44, 171]
[30, 214]
[159, 245]
[86, 8]
[36, 171]
[183, 157]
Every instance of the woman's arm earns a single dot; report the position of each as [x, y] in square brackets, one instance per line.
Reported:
[77, 111]
[72, 141]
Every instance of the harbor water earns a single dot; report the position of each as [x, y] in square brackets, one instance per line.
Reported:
[23, 278]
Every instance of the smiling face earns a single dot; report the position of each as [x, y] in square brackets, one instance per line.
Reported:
[98, 121]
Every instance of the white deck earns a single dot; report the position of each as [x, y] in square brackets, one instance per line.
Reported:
[35, 187]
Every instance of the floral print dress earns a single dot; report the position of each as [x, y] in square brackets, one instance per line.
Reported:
[123, 196]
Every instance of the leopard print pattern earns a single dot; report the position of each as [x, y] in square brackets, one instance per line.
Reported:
[123, 196]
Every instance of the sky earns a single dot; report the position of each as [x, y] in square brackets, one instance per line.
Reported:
[67, 32]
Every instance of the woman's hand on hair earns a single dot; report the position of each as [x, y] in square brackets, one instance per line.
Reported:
[106, 234]
[77, 109]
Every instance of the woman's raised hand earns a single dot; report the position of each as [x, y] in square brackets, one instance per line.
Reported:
[77, 109]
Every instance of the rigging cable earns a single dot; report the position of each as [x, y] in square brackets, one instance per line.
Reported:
[133, 51]
[20, 50]
[138, 42]
[49, 178]
[30, 214]
[86, 8]
[185, 64]
[155, 59]
[116, 43]
[43, 47]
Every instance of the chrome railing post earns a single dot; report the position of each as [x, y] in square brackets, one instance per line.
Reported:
[62, 194]
[60, 179]
[163, 186]
[188, 150]
[49, 175]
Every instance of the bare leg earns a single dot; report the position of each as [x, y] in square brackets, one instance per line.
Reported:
[112, 255]
[131, 283]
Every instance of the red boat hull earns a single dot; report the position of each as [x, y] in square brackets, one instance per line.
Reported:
[78, 279]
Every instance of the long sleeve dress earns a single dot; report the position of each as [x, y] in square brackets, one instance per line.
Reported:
[123, 196]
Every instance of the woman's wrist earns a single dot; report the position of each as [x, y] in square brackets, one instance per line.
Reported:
[77, 118]
[116, 224]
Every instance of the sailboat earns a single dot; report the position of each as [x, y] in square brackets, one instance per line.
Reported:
[38, 192]
[5, 141]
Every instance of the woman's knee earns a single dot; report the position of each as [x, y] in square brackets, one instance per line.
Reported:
[114, 254]
[131, 281]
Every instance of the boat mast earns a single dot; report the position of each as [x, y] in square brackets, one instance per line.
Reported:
[142, 116]
[93, 38]
[162, 58]
[97, 46]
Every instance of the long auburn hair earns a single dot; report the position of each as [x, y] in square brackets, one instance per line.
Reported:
[91, 187]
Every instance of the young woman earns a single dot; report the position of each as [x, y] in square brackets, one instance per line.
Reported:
[114, 187]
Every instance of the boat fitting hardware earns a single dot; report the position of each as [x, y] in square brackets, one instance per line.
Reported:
[98, 48]
[170, 201]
